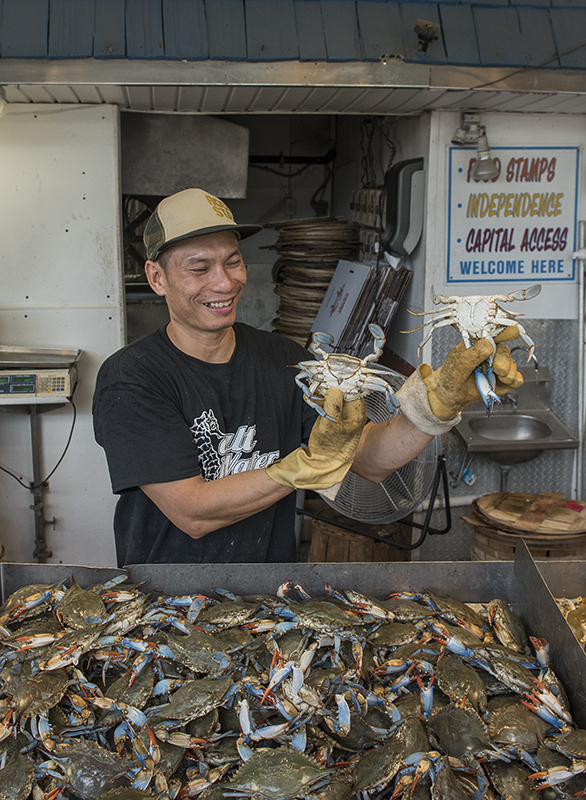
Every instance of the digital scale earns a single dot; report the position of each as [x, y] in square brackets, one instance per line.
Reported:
[41, 383]
[36, 375]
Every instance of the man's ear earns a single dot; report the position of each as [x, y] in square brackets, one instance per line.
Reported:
[156, 277]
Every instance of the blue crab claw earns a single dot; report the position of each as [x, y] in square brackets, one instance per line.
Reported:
[545, 713]
[426, 691]
[556, 775]
[487, 392]
[299, 739]
[541, 647]
[324, 338]
[525, 294]
[379, 338]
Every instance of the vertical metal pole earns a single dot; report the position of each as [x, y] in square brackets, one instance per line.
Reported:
[38, 489]
[579, 457]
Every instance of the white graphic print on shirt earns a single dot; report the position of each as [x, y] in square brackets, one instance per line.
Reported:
[222, 454]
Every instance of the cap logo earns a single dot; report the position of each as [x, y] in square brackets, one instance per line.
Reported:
[219, 207]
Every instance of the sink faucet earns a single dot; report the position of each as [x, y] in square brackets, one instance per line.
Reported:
[533, 357]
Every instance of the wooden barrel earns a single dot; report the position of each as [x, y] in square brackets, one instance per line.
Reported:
[487, 545]
[551, 526]
[332, 543]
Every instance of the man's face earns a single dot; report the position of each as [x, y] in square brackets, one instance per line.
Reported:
[203, 281]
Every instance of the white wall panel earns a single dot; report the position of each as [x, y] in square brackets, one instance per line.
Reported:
[62, 287]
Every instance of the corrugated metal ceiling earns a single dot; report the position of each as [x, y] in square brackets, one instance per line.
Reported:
[306, 100]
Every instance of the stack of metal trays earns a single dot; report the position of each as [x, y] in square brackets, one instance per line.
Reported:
[309, 251]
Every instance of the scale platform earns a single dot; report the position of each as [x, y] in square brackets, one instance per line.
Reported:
[35, 375]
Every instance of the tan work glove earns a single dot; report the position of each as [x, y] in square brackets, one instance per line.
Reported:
[331, 448]
[452, 387]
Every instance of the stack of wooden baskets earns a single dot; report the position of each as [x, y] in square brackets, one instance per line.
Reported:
[552, 526]
[309, 251]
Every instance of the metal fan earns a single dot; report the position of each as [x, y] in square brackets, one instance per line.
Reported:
[399, 494]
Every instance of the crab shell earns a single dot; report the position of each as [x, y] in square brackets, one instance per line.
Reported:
[79, 608]
[571, 744]
[277, 774]
[446, 783]
[193, 699]
[135, 693]
[90, 769]
[508, 628]
[510, 780]
[17, 778]
[377, 767]
[340, 371]
[459, 732]
[513, 724]
[460, 682]
[201, 652]
[40, 693]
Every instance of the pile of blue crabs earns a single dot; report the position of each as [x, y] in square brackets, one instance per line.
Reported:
[109, 692]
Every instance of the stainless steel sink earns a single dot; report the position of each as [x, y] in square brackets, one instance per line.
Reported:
[511, 428]
[517, 433]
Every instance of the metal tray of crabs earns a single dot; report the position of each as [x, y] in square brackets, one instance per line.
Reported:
[342, 680]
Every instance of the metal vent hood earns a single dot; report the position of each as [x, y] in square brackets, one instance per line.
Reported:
[163, 154]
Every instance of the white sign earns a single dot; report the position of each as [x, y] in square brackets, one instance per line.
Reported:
[521, 225]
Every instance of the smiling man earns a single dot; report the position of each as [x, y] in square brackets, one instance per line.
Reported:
[205, 430]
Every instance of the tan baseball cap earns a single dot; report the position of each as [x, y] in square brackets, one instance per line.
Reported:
[192, 212]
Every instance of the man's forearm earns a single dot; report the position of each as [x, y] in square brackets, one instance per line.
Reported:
[198, 507]
[387, 446]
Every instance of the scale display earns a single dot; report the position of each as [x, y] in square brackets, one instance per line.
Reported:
[37, 383]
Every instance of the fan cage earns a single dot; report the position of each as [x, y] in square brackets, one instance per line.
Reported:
[402, 491]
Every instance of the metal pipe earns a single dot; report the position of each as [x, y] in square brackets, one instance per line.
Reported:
[456, 502]
[579, 454]
[38, 488]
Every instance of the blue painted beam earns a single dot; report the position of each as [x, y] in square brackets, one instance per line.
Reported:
[500, 40]
[310, 31]
[341, 30]
[71, 28]
[380, 29]
[271, 31]
[569, 25]
[109, 31]
[185, 27]
[25, 26]
[227, 30]
[459, 33]
[144, 29]
[538, 38]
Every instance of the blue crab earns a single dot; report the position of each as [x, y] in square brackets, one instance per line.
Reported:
[479, 317]
[277, 774]
[341, 371]
[571, 744]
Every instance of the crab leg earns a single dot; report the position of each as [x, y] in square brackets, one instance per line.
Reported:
[556, 775]
[311, 398]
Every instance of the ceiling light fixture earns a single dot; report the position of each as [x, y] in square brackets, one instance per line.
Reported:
[485, 169]
[472, 132]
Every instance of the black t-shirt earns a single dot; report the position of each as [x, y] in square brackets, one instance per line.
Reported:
[162, 415]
